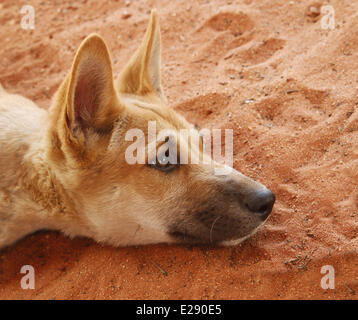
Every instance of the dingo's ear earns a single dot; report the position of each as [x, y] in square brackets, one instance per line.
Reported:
[91, 102]
[141, 76]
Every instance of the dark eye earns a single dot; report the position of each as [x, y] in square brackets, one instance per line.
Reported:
[162, 165]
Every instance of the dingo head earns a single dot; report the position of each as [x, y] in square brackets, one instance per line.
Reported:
[121, 203]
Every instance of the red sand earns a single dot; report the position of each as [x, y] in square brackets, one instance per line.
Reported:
[298, 135]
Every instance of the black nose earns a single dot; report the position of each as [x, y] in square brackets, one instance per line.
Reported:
[260, 202]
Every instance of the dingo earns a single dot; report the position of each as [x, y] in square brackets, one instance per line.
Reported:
[65, 169]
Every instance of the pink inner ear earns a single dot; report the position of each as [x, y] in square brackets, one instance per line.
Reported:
[89, 86]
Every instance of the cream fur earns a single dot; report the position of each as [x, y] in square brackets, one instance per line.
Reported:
[64, 169]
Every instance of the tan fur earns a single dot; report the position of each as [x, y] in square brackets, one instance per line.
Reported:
[65, 169]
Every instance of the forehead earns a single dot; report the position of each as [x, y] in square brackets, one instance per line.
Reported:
[151, 108]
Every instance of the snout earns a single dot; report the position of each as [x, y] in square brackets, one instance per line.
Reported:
[260, 202]
[233, 209]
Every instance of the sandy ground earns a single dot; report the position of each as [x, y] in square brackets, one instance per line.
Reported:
[266, 69]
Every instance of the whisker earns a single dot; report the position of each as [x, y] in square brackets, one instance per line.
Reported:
[135, 233]
[212, 227]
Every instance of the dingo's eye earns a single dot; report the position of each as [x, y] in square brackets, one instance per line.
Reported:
[164, 167]
[163, 163]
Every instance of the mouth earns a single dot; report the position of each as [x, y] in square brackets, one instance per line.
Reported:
[215, 232]
[185, 237]
[235, 242]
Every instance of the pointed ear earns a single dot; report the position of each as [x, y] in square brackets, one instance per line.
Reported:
[141, 76]
[91, 101]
